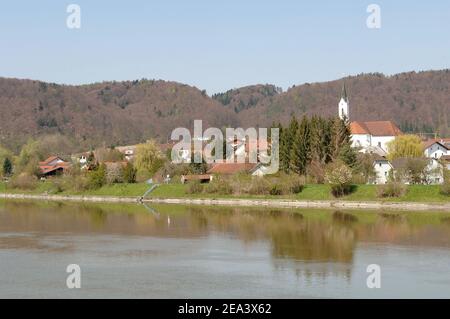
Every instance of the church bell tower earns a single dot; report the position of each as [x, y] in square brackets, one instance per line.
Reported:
[344, 105]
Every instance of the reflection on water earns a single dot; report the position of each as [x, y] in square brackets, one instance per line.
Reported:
[289, 250]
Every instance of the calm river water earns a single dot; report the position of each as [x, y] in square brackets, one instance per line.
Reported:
[165, 251]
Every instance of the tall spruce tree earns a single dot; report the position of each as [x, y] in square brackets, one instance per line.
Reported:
[287, 139]
[321, 136]
[342, 148]
[301, 148]
[7, 167]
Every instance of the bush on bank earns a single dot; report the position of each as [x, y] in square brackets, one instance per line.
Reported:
[445, 188]
[391, 189]
[249, 185]
[339, 176]
[24, 181]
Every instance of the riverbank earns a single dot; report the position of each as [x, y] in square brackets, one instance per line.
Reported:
[418, 197]
[311, 192]
[270, 203]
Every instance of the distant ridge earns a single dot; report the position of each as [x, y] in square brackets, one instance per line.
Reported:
[114, 113]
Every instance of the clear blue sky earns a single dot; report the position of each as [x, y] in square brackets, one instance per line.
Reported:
[218, 45]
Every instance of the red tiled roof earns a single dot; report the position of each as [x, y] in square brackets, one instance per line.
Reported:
[428, 143]
[375, 128]
[48, 160]
[358, 128]
[231, 168]
[46, 168]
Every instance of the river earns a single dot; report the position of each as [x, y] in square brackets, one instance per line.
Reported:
[169, 251]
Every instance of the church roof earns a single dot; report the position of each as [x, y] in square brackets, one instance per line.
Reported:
[375, 128]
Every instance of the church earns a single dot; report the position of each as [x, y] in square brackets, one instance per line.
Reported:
[372, 136]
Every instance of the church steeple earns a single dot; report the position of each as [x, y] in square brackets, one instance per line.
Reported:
[344, 93]
[344, 104]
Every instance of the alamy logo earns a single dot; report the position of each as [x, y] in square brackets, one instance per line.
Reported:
[374, 19]
[374, 279]
[74, 19]
[74, 279]
[238, 146]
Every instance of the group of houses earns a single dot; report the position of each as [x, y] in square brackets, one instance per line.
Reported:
[370, 137]
[436, 153]
[56, 165]
[373, 137]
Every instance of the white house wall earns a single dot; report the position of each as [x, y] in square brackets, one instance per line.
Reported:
[366, 140]
[360, 140]
[382, 141]
[382, 169]
[436, 151]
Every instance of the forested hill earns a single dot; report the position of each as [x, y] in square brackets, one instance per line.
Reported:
[417, 102]
[113, 113]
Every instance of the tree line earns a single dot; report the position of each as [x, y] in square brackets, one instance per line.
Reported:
[308, 145]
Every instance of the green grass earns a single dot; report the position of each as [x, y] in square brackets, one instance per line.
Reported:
[126, 190]
[415, 193]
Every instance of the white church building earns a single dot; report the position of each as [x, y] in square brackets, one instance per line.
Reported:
[372, 136]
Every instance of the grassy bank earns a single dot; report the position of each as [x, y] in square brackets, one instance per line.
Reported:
[415, 193]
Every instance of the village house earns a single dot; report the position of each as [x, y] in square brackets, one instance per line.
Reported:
[86, 160]
[433, 173]
[183, 155]
[252, 148]
[254, 169]
[382, 168]
[129, 151]
[54, 165]
[435, 149]
[372, 136]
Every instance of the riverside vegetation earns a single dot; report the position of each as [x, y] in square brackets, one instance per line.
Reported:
[316, 162]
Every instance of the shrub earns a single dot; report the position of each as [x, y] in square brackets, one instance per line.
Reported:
[129, 173]
[80, 183]
[241, 183]
[194, 188]
[24, 181]
[276, 189]
[294, 184]
[316, 172]
[391, 189]
[258, 186]
[57, 186]
[218, 185]
[97, 178]
[114, 173]
[339, 177]
[445, 188]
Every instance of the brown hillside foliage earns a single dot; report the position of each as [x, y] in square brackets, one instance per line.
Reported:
[121, 113]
